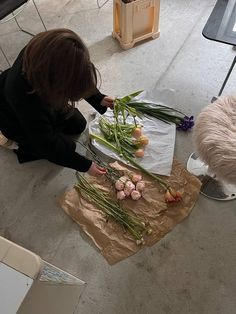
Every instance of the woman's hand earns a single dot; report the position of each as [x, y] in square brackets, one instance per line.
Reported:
[96, 170]
[108, 102]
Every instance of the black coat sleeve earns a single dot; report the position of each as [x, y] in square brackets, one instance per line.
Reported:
[46, 142]
[95, 101]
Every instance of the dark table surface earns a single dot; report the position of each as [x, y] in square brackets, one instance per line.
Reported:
[221, 25]
[8, 6]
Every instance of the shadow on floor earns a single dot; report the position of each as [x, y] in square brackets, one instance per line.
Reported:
[104, 49]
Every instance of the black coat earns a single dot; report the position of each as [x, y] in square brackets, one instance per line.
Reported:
[34, 125]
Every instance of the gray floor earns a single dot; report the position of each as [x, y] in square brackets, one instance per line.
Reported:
[192, 270]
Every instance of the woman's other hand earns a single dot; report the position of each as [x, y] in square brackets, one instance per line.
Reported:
[108, 102]
[96, 170]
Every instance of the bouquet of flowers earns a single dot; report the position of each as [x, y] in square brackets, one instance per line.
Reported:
[128, 106]
[113, 209]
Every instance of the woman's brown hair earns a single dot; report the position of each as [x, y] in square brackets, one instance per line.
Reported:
[58, 67]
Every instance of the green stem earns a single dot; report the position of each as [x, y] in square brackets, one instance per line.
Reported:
[131, 160]
[153, 176]
[111, 209]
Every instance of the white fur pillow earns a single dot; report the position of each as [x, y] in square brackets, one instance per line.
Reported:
[214, 136]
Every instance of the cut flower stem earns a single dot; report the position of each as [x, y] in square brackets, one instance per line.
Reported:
[131, 161]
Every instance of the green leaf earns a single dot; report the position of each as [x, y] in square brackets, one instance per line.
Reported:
[124, 100]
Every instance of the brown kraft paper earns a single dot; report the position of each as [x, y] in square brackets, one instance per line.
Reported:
[111, 239]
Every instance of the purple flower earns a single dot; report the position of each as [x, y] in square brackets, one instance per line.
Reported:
[186, 123]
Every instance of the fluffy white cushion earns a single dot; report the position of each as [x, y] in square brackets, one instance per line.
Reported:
[214, 136]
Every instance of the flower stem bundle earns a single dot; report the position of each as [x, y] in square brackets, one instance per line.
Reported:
[120, 134]
[112, 209]
[170, 194]
[126, 106]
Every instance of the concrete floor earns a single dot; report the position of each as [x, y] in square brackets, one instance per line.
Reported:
[193, 269]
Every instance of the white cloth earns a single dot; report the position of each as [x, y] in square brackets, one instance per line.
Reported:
[159, 153]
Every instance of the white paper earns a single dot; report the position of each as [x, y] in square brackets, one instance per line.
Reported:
[159, 152]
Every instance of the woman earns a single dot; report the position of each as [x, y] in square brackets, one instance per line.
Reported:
[37, 98]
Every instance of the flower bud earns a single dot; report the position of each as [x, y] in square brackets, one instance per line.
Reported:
[143, 140]
[129, 185]
[137, 132]
[139, 153]
[135, 195]
[140, 186]
[136, 178]
[119, 185]
[120, 195]
[168, 197]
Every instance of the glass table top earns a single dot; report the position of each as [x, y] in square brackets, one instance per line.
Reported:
[221, 25]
